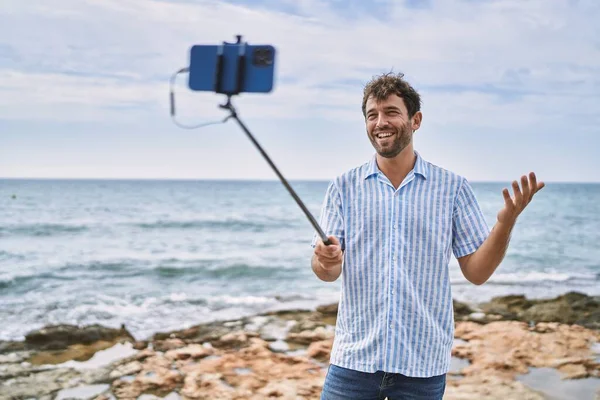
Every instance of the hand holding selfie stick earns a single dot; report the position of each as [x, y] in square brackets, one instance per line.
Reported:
[233, 114]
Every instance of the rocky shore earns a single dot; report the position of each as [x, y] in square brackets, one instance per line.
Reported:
[498, 347]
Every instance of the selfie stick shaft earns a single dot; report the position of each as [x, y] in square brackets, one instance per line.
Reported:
[312, 220]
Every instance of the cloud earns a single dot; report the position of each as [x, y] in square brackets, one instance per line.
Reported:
[485, 62]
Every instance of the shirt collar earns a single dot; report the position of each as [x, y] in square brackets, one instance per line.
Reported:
[420, 168]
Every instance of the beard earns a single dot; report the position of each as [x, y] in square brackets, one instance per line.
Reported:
[392, 146]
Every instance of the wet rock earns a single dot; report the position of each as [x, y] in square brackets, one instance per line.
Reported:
[570, 308]
[328, 310]
[59, 337]
[76, 352]
[461, 310]
[11, 347]
[211, 332]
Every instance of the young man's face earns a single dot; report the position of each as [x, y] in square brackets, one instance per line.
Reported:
[388, 126]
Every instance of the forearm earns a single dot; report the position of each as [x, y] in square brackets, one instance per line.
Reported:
[483, 262]
[327, 275]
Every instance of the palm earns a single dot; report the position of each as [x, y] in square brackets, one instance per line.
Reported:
[522, 197]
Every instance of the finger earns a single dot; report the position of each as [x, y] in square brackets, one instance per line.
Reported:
[333, 256]
[331, 251]
[333, 240]
[534, 184]
[526, 189]
[541, 185]
[518, 194]
[507, 200]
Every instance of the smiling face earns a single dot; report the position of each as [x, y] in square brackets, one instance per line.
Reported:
[389, 126]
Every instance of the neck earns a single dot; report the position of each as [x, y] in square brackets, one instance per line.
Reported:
[398, 167]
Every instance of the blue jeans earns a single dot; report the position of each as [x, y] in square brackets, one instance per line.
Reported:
[346, 384]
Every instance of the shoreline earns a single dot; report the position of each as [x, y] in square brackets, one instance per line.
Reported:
[284, 354]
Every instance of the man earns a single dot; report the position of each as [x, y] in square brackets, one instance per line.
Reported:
[393, 223]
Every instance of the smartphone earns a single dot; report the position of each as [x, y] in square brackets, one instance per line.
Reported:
[232, 68]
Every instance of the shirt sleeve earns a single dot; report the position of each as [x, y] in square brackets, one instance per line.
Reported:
[331, 220]
[469, 227]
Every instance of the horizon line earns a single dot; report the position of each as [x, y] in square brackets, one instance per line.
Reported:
[130, 179]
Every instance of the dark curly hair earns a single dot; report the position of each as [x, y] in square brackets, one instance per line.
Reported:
[382, 86]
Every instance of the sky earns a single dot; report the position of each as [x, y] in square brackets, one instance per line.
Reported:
[508, 87]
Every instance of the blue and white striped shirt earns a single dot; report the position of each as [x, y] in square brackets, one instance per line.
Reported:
[395, 312]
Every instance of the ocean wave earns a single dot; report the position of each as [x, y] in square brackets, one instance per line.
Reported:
[5, 256]
[224, 224]
[241, 300]
[7, 282]
[233, 271]
[528, 278]
[41, 230]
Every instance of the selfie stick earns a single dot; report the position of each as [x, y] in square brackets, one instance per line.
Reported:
[233, 114]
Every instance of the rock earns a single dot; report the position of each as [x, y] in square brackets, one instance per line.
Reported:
[509, 348]
[193, 351]
[320, 350]
[489, 387]
[10, 347]
[329, 310]
[156, 375]
[284, 354]
[310, 336]
[58, 337]
[574, 371]
[570, 308]
[461, 310]
[126, 369]
[140, 345]
[168, 344]
[35, 382]
[76, 352]
[236, 339]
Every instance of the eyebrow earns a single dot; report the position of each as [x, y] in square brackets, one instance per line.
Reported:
[388, 108]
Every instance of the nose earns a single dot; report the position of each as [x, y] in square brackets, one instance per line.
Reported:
[381, 120]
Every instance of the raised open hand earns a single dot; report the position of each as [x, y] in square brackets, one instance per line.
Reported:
[514, 206]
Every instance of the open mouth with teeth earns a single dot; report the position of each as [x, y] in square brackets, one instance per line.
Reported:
[384, 135]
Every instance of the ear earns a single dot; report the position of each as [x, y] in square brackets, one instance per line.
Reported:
[416, 120]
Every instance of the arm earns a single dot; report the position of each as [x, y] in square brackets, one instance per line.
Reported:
[479, 266]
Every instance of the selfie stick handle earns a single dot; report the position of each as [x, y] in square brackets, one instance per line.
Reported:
[312, 220]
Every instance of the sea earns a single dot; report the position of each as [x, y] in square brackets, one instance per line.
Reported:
[160, 255]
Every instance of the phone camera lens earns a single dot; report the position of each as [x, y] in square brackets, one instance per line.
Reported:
[262, 57]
